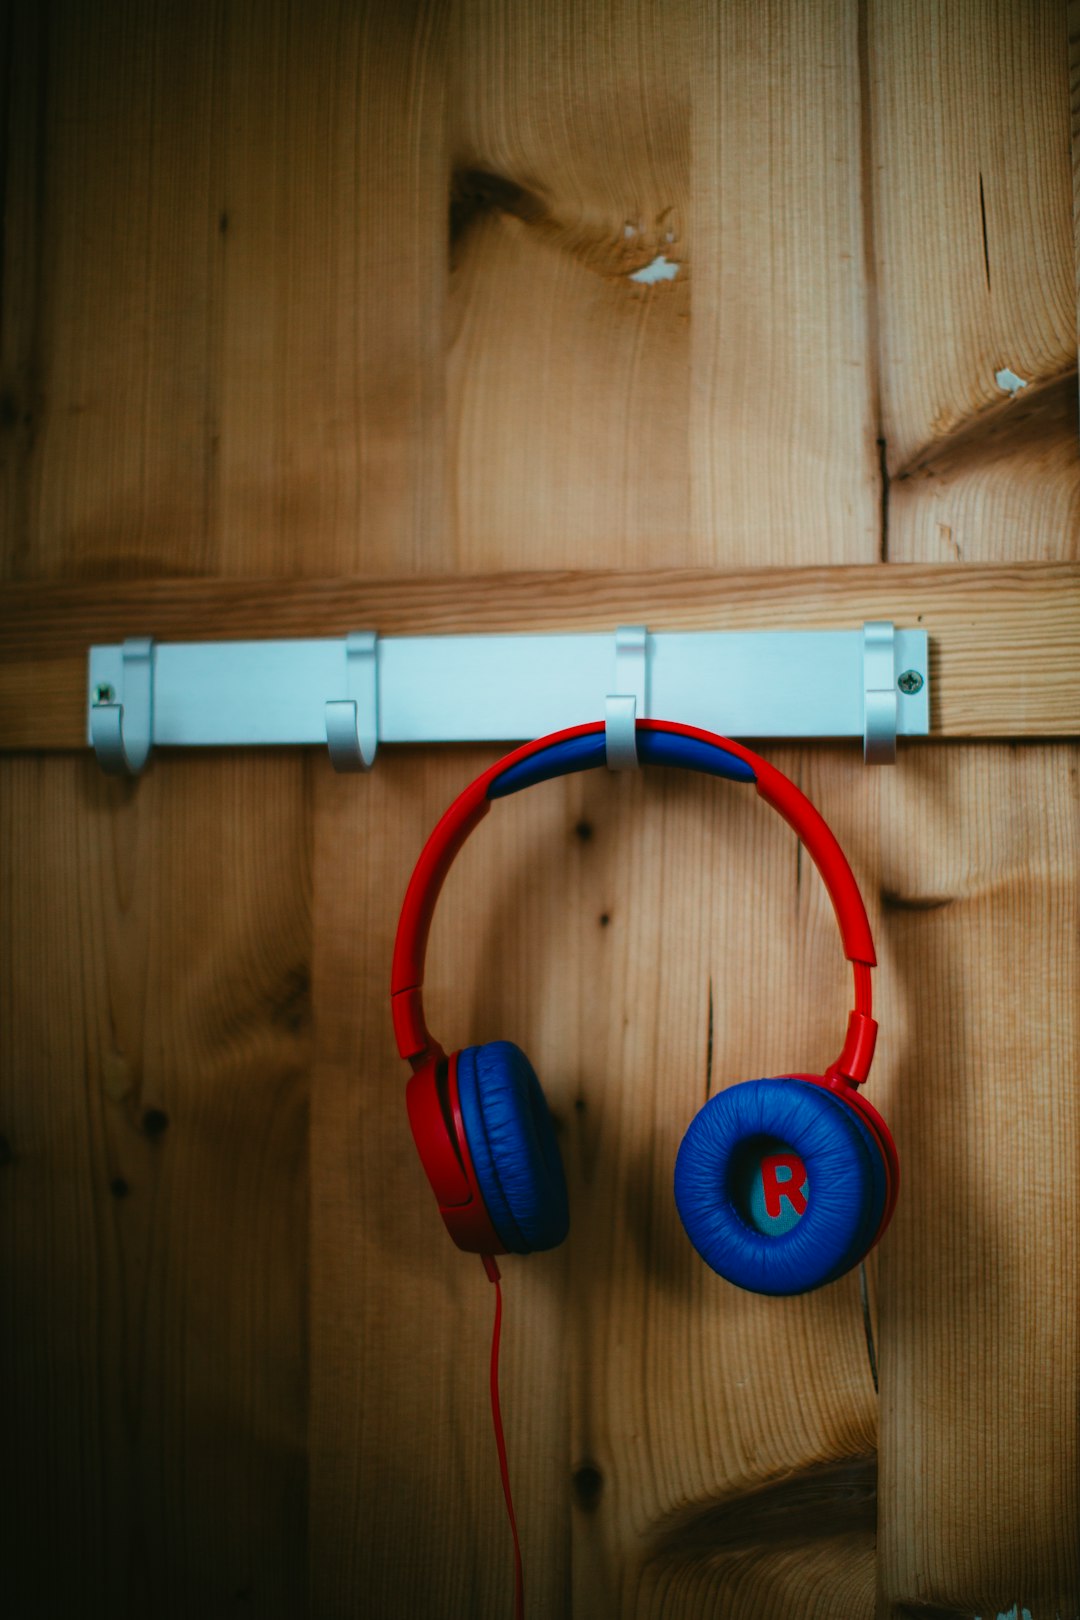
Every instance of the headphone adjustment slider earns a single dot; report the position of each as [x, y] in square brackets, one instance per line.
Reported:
[853, 1064]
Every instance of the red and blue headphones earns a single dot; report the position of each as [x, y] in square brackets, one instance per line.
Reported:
[782, 1184]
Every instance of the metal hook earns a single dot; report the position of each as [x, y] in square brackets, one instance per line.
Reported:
[121, 723]
[879, 692]
[352, 723]
[626, 705]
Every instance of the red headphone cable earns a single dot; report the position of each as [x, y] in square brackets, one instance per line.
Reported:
[493, 1274]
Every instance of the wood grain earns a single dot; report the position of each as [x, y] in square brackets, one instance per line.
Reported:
[112, 140]
[156, 1026]
[1004, 640]
[186, 382]
[802, 1546]
[980, 984]
[970, 222]
[564, 957]
[153, 1092]
[331, 236]
[549, 426]
[406, 1507]
[303, 309]
[691, 1394]
[785, 467]
[978, 103]
[1073, 15]
[568, 382]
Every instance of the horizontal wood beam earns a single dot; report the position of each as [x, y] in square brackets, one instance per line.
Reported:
[1004, 640]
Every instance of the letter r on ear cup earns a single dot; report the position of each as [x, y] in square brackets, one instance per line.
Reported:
[845, 1185]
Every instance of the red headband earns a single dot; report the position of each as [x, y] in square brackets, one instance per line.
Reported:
[415, 1042]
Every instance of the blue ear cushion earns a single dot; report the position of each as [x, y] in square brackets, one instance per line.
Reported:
[844, 1171]
[512, 1142]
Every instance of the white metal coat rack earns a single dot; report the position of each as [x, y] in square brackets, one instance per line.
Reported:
[351, 694]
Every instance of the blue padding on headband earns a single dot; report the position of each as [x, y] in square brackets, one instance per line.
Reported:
[574, 754]
[845, 1175]
[672, 748]
[588, 752]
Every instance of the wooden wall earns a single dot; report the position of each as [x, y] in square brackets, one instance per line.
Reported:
[300, 291]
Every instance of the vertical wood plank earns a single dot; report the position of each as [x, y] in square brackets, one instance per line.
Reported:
[332, 233]
[1074, 131]
[161, 1154]
[154, 1115]
[631, 418]
[386, 1443]
[22, 53]
[968, 124]
[692, 1396]
[784, 463]
[406, 1506]
[974, 265]
[569, 381]
[110, 142]
[978, 1478]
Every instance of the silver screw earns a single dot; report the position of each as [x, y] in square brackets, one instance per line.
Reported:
[910, 682]
[103, 694]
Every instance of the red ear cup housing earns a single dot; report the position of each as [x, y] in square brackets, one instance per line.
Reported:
[854, 1098]
[439, 1134]
[488, 1146]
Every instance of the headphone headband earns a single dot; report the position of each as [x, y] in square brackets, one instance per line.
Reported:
[583, 748]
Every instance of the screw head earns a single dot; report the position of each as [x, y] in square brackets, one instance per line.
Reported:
[103, 694]
[910, 682]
